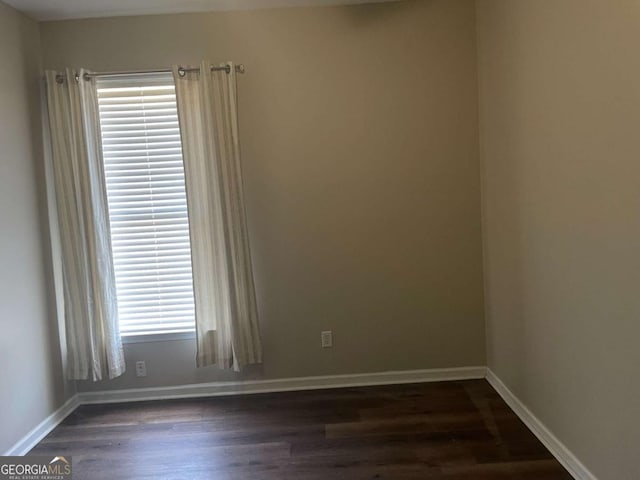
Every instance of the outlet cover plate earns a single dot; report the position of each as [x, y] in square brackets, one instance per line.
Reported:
[327, 339]
[141, 369]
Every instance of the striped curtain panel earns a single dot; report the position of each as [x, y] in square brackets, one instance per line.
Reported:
[224, 293]
[94, 348]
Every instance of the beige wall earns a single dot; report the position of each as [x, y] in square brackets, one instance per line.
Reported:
[560, 148]
[31, 385]
[359, 135]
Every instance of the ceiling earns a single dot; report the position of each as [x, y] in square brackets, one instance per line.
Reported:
[67, 9]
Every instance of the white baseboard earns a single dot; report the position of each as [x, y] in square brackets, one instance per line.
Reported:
[41, 430]
[32, 438]
[282, 385]
[555, 446]
[548, 439]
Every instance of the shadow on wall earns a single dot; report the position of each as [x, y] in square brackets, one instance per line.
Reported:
[506, 295]
[379, 13]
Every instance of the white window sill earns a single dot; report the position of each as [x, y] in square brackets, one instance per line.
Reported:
[158, 337]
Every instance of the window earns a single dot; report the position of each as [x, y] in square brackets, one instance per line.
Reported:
[147, 204]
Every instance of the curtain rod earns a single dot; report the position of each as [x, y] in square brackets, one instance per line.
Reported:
[181, 71]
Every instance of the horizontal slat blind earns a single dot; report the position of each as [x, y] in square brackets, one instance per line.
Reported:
[147, 204]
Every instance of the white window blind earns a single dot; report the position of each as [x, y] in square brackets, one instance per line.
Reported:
[147, 204]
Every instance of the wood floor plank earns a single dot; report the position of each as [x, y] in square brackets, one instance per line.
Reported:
[435, 431]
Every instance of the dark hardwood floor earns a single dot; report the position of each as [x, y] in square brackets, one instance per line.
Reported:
[448, 430]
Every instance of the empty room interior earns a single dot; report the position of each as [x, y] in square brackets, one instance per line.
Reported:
[320, 239]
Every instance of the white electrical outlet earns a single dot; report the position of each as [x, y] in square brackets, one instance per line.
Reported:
[141, 369]
[327, 339]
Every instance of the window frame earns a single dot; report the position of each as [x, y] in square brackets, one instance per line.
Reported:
[146, 80]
